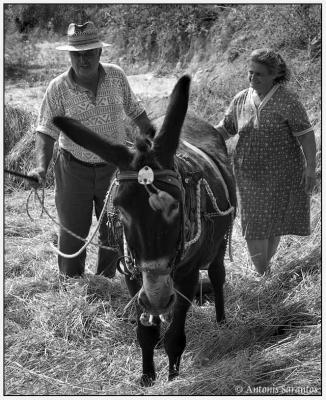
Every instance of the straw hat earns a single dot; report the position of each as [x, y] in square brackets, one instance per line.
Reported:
[82, 37]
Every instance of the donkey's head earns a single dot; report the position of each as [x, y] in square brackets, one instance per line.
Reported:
[149, 197]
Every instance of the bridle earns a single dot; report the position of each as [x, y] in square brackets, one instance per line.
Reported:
[146, 176]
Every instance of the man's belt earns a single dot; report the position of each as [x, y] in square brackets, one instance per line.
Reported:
[70, 157]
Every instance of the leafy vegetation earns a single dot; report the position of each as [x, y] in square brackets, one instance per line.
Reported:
[76, 337]
[168, 34]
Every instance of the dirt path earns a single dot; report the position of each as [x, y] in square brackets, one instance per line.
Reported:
[149, 86]
[146, 86]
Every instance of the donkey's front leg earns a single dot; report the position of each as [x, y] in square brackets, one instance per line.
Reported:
[175, 339]
[148, 336]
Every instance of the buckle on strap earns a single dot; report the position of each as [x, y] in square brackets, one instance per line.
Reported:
[147, 176]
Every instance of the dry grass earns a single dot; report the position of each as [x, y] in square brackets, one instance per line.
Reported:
[70, 338]
[18, 121]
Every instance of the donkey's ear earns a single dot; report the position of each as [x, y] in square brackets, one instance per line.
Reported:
[116, 154]
[166, 142]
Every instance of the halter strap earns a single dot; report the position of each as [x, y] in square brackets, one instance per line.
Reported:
[166, 176]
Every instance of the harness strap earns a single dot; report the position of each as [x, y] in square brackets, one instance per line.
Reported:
[166, 176]
[174, 178]
[212, 165]
[218, 212]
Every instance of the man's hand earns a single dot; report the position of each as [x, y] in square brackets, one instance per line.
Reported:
[40, 175]
[150, 132]
[145, 126]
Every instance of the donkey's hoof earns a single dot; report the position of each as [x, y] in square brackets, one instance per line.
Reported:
[173, 375]
[147, 380]
[221, 320]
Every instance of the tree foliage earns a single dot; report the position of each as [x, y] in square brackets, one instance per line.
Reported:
[172, 33]
[159, 31]
[282, 24]
[27, 17]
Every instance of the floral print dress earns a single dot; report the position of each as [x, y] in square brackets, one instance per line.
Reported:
[269, 162]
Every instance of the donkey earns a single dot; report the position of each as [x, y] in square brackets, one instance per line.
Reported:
[175, 198]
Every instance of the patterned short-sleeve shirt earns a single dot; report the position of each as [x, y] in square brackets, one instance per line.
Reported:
[104, 114]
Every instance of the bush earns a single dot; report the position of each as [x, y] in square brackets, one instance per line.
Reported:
[51, 17]
[19, 55]
[19, 143]
[160, 32]
[170, 34]
[21, 158]
[279, 25]
[17, 123]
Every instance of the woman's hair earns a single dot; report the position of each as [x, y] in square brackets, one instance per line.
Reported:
[273, 62]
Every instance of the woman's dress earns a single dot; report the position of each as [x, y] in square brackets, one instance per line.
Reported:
[269, 163]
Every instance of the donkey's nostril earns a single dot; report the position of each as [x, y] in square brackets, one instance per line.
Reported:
[143, 300]
[156, 306]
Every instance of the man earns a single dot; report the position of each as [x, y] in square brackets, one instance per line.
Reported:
[99, 96]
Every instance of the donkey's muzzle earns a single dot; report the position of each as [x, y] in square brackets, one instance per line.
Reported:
[156, 308]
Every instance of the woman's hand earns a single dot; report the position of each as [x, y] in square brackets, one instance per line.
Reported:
[309, 179]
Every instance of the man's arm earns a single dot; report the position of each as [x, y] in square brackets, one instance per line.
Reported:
[43, 154]
[145, 126]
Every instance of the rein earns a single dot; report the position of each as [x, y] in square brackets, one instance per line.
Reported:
[20, 175]
[146, 177]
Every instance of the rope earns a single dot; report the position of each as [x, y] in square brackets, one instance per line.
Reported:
[130, 265]
[198, 211]
[41, 201]
[87, 241]
[129, 303]
[182, 295]
[20, 175]
[213, 200]
[125, 246]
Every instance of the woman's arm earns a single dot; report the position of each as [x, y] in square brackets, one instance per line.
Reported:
[308, 144]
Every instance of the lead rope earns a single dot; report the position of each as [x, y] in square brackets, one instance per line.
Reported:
[40, 200]
[88, 241]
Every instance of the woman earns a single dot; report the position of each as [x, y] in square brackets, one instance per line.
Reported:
[274, 159]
